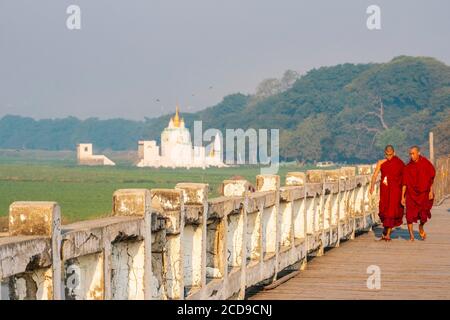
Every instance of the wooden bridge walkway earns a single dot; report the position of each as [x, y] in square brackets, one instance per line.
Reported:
[409, 270]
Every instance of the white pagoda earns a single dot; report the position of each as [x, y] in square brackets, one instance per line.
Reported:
[177, 150]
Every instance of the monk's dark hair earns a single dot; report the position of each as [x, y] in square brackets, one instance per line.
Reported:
[389, 147]
[415, 147]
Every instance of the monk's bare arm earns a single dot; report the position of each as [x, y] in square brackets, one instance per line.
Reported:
[403, 195]
[375, 175]
[431, 194]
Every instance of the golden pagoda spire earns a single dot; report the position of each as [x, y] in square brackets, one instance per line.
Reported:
[176, 118]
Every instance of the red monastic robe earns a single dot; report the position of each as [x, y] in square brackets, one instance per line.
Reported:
[390, 207]
[418, 178]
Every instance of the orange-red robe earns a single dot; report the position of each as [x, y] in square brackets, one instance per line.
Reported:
[390, 207]
[418, 178]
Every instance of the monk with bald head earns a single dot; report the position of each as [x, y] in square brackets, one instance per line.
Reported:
[390, 207]
[417, 191]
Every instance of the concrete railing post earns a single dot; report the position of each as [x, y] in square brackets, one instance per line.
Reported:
[271, 217]
[365, 171]
[236, 234]
[349, 175]
[316, 178]
[128, 258]
[286, 224]
[254, 231]
[331, 192]
[310, 205]
[298, 180]
[195, 198]
[344, 214]
[42, 278]
[169, 203]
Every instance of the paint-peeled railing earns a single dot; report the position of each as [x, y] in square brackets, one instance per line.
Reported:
[441, 184]
[178, 244]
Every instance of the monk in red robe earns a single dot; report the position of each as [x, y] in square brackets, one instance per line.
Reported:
[390, 207]
[417, 193]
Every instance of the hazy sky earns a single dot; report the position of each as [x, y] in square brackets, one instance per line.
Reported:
[128, 54]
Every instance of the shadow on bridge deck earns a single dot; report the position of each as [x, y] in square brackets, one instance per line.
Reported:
[409, 270]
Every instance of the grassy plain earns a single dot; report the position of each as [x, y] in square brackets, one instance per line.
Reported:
[86, 192]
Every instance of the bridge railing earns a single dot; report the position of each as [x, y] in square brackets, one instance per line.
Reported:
[178, 244]
[441, 184]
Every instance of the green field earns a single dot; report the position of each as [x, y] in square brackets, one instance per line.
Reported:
[86, 192]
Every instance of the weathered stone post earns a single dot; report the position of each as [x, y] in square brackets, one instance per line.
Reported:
[169, 203]
[310, 216]
[42, 278]
[298, 180]
[360, 182]
[376, 198]
[158, 248]
[254, 206]
[129, 256]
[344, 216]
[271, 217]
[316, 178]
[349, 175]
[235, 229]
[365, 172]
[195, 198]
[331, 191]
[287, 220]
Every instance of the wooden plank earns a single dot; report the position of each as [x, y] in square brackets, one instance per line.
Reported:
[409, 270]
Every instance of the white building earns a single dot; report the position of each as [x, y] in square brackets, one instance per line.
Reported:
[85, 156]
[177, 150]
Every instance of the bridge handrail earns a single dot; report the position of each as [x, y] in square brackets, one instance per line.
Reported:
[178, 244]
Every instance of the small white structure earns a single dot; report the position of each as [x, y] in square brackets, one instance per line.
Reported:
[325, 164]
[177, 150]
[85, 156]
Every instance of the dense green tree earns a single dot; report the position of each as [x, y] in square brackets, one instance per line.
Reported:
[307, 141]
[394, 137]
[346, 112]
[442, 136]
